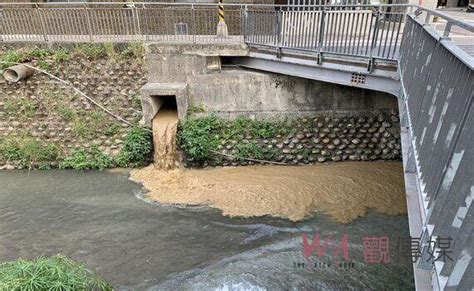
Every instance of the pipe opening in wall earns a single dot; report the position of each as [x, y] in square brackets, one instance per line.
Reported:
[165, 126]
[10, 75]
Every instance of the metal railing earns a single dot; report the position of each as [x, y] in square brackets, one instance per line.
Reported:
[79, 22]
[372, 31]
[356, 30]
[438, 82]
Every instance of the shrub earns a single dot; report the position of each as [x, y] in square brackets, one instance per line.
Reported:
[55, 273]
[248, 150]
[137, 148]
[198, 136]
[27, 152]
[82, 159]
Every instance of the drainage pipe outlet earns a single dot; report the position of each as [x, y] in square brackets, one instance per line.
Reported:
[18, 72]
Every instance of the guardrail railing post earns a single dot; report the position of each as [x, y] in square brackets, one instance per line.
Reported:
[321, 36]
[279, 32]
[246, 23]
[370, 66]
[193, 29]
[43, 26]
[89, 24]
[447, 29]
[135, 16]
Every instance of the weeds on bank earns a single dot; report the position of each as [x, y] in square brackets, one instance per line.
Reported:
[21, 108]
[137, 148]
[200, 136]
[27, 152]
[46, 58]
[55, 273]
[86, 159]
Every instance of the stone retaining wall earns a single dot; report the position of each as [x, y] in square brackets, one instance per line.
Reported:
[356, 136]
[50, 113]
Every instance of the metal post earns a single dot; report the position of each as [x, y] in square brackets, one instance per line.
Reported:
[278, 32]
[193, 19]
[89, 25]
[43, 26]
[135, 16]
[246, 23]
[221, 26]
[370, 66]
[321, 36]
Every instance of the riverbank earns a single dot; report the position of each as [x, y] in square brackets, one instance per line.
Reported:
[344, 191]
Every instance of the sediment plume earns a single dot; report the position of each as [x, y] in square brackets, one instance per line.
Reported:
[165, 126]
[344, 191]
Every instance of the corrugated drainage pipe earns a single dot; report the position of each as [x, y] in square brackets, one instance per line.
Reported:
[17, 73]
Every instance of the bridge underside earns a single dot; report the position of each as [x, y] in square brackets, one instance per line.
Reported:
[334, 69]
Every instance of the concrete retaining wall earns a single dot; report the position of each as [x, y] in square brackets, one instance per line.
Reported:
[199, 79]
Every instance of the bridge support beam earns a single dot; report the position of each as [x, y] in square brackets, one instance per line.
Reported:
[348, 75]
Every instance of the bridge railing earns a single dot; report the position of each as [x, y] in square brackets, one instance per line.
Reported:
[84, 22]
[362, 30]
[438, 83]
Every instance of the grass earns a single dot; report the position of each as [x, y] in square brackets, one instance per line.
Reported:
[12, 56]
[91, 51]
[28, 152]
[62, 55]
[21, 108]
[86, 159]
[134, 50]
[54, 273]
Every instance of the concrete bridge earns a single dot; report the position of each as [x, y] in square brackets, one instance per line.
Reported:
[389, 48]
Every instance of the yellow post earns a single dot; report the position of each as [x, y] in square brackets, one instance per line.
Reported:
[221, 26]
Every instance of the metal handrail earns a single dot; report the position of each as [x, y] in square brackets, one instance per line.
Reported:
[339, 29]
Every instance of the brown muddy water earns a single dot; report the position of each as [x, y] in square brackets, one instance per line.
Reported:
[165, 126]
[137, 244]
[344, 191]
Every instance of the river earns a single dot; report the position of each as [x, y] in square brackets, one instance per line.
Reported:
[104, 220]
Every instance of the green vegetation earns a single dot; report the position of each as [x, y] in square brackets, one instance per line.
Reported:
[87, 124]
[91, 50]
[137, 148]
[194, 109]
[62, 55]
[200, 136]
[135, 50]
[86, 159]
[55, 273]
[21, 108]
[47, 57]
[11, 56]
[28, 152]
[43, 65]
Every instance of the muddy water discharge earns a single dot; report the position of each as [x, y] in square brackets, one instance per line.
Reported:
[342, 190]
[165, 126]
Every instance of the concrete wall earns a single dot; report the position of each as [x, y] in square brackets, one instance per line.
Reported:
[194, 74]
[236, 91]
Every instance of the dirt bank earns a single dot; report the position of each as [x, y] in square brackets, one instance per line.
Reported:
[342, 190]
